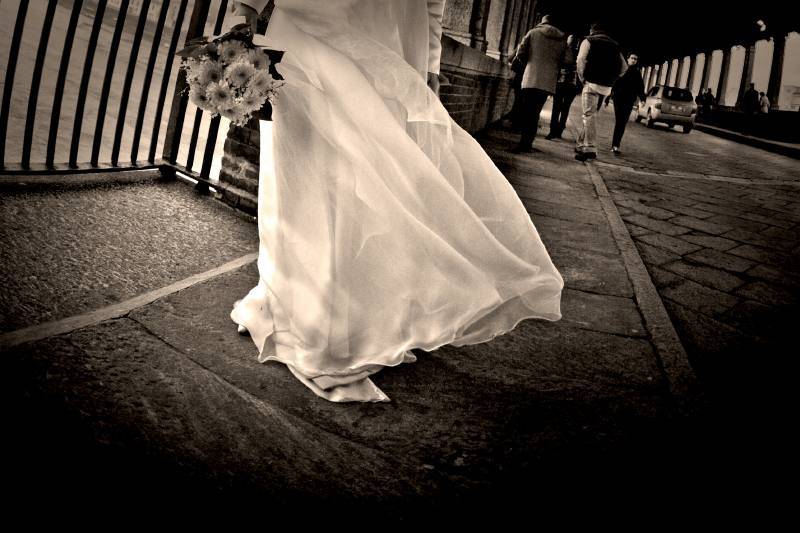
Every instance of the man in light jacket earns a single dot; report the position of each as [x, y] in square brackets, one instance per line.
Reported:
[543, 49]
[599, 64]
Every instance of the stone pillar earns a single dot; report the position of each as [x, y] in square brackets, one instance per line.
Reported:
[679, 73]
[494, 28]
[534, 15]
[669, 71]
[523, 20]
[479, 19]
[654, 75]
[505, 47]
[692, 66]
[722, 86]
[776, 70]
[747, 71]
[709, 54]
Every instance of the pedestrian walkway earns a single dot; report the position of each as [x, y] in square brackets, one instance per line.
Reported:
[161, 394]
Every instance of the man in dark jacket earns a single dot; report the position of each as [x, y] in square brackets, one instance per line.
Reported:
[566, 89]
[542, 50]
[624, 93]
[599, 65]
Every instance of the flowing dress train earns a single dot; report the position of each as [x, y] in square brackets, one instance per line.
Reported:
[383, 225]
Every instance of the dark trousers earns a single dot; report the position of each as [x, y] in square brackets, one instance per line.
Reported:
[622, 113]
[532, 101]
[562, 101]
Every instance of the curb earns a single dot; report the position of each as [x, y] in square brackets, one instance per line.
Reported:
[669, 350]
[764, 144]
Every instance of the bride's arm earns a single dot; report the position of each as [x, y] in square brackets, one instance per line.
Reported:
[435, 14]
[250, 9]
[257, 5]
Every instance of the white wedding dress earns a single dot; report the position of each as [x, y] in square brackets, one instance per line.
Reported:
[383, 225]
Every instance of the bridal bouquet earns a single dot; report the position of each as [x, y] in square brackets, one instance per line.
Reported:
[229, 75]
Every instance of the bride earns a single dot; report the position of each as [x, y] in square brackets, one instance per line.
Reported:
[383, 225]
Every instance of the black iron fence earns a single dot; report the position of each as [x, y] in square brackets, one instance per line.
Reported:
[160, 25]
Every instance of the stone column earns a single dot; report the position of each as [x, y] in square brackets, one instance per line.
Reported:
[747, 71]
[494, 28]
[709, 54]
[669, 71]
[692, 66]
[654, 75]
[722, 86]
[679, 74]
[776, 70]
[523, 20]
[505, 47]
[477, 24]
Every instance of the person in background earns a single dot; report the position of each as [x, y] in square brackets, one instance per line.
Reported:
[566, 89]
[543, 50]
[625, 92]
[598, 66]
[764, 104]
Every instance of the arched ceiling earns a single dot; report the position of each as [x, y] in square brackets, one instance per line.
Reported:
[664, 29]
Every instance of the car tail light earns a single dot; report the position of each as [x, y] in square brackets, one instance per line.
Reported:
[694, 109]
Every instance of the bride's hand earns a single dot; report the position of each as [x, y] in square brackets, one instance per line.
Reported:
[240, 9]
[433, 82]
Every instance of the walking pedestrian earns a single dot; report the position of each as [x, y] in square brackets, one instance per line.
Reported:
[543, 50]
[566, 90]
[750, 106]
[626, 90]
[599, 64]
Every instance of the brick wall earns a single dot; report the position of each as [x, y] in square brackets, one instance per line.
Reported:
[479, 93]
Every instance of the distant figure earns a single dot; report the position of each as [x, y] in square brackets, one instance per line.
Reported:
[704, 102]
[599, 64]
[750, 100]
[566, 89]
[764, 104]
[543, 50]
[750, 106]
[625, 92]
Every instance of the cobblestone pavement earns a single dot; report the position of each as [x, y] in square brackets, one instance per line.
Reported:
[69, 249]
[717, 224]
[169, 401]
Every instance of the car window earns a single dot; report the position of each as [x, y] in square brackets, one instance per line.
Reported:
[674, 93]
[653, 91]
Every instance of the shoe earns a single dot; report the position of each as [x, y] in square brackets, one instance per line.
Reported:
[615, 151]
[242, 330]
[583, 156]
[519, 149]
[551, 136]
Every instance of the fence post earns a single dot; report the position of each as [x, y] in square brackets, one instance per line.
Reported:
[177, 111]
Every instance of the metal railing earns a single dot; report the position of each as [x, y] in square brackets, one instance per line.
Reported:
[115, 93]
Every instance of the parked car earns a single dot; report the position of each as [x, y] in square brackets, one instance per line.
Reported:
[670, 105]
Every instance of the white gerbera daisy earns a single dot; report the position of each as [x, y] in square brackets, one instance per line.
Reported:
[198, 97]
[252, 102]
[230, 51]
[261, 82]
[259, 59]
[220, 95]
[238, 73]
[209, 72]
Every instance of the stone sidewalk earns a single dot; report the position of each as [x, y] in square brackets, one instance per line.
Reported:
[165, 400]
